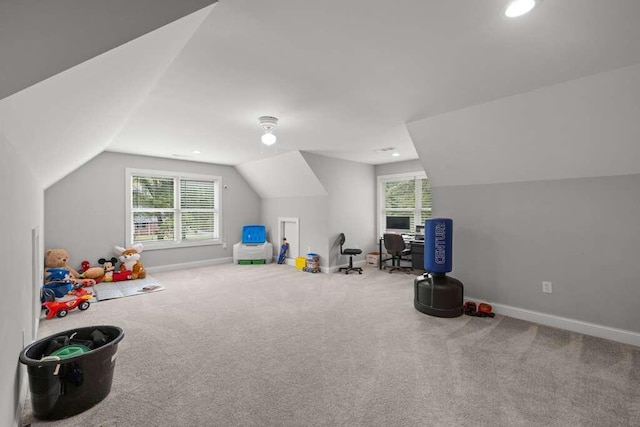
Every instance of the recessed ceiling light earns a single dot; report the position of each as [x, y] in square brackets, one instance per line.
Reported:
[396, 154]
[517, 8]
[195, 152]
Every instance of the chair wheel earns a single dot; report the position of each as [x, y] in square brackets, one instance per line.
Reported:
[360, 272]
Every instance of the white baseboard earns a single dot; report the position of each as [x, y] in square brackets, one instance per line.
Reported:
[573, 325]
[22, 395]
[189, 265]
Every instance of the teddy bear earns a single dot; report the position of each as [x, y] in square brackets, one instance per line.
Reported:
[58, 258]
[130, 258]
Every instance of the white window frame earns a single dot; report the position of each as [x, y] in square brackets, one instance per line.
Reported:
[177, 176]
[382, 179]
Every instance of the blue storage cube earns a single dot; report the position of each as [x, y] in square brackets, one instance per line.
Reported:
[253, 234]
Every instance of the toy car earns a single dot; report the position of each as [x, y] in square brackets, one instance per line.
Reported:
[61, 308]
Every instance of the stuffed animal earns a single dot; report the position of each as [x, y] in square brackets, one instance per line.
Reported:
[88, 272]
[110, 273]
[130, 259]
[58, 258]
[57, 275]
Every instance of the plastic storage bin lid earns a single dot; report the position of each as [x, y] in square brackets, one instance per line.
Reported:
[253, 234]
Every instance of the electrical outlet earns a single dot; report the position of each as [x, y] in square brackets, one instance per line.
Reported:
[224, 245]
[546, 287]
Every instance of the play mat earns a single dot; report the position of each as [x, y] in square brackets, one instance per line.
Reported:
[104, 290]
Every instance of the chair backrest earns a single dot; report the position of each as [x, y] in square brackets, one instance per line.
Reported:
[394, 243]
[341, 240]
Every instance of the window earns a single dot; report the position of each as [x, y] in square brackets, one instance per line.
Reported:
[167, 209]
[404, 195]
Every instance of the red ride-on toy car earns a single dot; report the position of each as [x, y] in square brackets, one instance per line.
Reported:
[61, 308]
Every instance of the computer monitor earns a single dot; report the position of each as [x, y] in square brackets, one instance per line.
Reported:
[399, 224]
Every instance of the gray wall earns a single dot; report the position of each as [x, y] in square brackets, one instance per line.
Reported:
[582, 235]
[399, 167]
[351, 205]
[85, 211]
[348, 208]
[312, 216]
[22, 211]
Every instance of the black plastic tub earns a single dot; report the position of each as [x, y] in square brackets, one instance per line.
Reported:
[65, 385]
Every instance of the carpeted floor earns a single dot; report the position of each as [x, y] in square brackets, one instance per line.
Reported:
[267, 345]
[110, 290]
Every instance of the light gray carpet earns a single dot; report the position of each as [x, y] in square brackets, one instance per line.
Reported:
[267, 345]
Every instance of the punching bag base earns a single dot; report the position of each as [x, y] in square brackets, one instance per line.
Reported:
[438, 295]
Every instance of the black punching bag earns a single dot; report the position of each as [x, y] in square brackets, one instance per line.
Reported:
[435, 293]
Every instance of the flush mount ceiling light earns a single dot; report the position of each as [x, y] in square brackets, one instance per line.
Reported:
[268, 123]
[517, 8]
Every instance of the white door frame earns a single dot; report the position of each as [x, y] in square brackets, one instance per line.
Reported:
[281, 221]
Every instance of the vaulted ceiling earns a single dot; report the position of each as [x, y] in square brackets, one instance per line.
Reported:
[344, 78]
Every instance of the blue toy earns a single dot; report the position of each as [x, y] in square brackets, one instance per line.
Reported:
[59, 281]
[283, 251]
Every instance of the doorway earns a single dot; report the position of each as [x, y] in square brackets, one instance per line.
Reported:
[289, 228]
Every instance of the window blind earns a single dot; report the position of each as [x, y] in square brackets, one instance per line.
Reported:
[167, 209]
[197, 203]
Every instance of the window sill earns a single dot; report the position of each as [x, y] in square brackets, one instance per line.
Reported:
[158, 245]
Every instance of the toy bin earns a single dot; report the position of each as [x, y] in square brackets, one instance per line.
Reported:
[313, 263]
[301, 262]
[71, 371]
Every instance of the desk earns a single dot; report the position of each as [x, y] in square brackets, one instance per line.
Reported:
[417, 254]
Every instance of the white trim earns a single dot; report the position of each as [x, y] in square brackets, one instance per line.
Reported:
[177, 176]
[23, 387]
[281, 221]
[189, 265]
[402, 176]
[381, 196]
[573, 325]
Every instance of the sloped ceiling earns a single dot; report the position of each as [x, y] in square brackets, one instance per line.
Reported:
[281, 176]
[583, 128]
[62, 122]
[343, 77]
[40, 39]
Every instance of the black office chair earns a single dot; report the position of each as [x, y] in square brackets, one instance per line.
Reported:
[351, 253]
[395, 246]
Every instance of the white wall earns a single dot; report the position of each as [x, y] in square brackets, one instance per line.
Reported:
[85, 211]
[22, 211]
